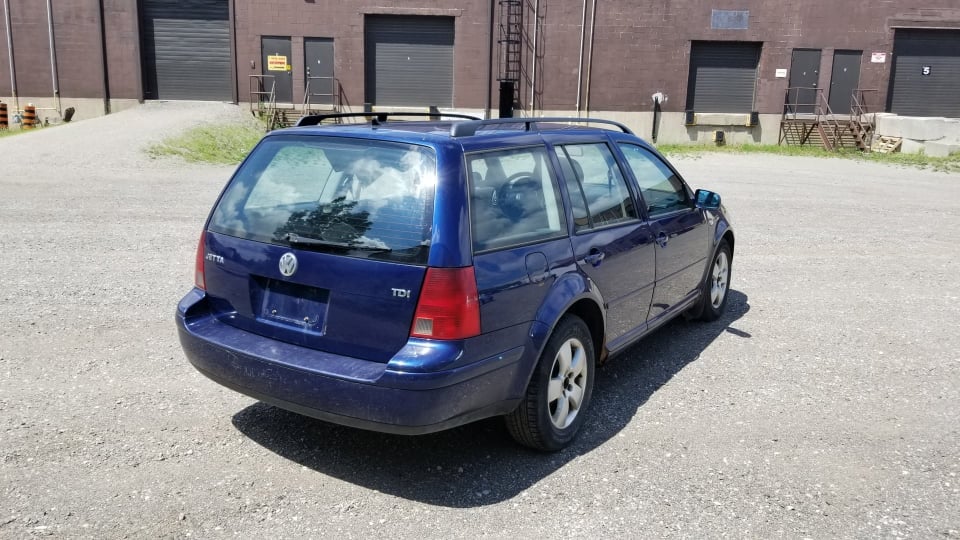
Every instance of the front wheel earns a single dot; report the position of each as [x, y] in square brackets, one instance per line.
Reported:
[713, 296]
[556, 401]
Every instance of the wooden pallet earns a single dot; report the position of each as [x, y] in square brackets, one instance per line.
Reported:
[887, 145]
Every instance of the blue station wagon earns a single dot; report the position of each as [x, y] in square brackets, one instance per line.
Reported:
[411, 276]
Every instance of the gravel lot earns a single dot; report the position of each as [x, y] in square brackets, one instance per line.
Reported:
[824, 405]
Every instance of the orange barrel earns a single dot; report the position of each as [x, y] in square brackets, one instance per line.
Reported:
[4, 121]
[29, 117]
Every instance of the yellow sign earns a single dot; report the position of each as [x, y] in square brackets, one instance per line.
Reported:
[276, 62]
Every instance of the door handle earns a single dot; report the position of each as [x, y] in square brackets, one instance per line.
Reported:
[595, 257]
[662, 239]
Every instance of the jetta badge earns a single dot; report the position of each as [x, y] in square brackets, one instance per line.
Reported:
[288, 264]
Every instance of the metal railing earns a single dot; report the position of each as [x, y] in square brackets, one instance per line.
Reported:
[863, 106]
[263, 102]
[331, 101]
[815, 109]
[262, 92]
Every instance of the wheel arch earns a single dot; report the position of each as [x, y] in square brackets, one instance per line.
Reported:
[589, 312]
[728, 236]
[572, 294]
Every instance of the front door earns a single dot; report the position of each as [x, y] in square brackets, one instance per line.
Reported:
[844, 80]
[681, 231]
[318, 69]
[276, 67]
[804, 78]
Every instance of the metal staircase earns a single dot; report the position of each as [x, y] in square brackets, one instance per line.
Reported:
[822, 127]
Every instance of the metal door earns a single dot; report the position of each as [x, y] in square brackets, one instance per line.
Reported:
[275, 62]
[804, 78]
[844, 80]
[318, 70]
[408, 60]
[186, 49]
[926, 73]
[723, 76]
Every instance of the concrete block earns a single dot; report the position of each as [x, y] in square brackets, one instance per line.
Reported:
[910, 146]
[940, 149]
[919, 128]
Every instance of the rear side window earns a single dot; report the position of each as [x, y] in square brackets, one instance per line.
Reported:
[356, 197]
[598, 191]
[514, 198]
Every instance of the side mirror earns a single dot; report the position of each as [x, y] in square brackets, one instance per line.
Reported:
[707, 200]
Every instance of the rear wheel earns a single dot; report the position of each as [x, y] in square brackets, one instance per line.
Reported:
[713, 297]
[559, 393]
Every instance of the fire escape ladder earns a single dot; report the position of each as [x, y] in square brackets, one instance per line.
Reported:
[511, 43]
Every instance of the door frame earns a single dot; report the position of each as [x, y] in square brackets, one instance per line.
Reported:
[833, 73]
[264, 68]
[809, 97]
[334, 90]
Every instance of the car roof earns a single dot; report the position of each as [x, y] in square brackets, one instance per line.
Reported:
[471, 135]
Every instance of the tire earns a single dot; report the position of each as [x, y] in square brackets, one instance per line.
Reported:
[716, 286]
[565, 373]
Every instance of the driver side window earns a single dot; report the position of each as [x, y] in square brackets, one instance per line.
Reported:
[662, 190]
[514, 198]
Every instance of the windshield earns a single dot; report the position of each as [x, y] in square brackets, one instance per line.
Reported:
[357, 197]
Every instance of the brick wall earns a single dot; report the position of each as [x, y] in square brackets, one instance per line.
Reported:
[638, 48]
[344, 22]
[643, 48]
[78, 44]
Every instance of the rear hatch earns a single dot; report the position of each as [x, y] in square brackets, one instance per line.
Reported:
[322, 242]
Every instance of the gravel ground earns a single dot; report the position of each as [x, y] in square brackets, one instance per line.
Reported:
[825, 404]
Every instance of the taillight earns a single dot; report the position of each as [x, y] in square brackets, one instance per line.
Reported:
[448, 307]
[198, 279]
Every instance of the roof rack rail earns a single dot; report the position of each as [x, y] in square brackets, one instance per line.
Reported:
[466, 129]
[378, 117]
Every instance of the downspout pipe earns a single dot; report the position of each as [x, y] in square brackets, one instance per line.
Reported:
[593, 29]
[583, 30]
[53, 57]
[103, 58]
[13, 69]
[486, 104]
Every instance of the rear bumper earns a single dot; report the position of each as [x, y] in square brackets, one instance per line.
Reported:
[351, 391]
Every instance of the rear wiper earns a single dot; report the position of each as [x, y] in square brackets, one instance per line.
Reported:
[300, 241]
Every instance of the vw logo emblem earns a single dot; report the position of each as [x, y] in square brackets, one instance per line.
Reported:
[288, 264]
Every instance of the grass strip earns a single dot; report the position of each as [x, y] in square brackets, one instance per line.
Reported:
[920, 161]
[221, 144]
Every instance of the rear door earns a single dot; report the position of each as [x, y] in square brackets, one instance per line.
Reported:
[323, 242]
[611, 244]
[519, 232]
[681, 230]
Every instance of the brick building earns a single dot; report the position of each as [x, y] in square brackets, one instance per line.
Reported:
[718, 64]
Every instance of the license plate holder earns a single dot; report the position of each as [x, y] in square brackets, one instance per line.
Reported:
[297, 305]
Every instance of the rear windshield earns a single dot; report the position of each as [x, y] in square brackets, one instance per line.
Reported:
[361, 198]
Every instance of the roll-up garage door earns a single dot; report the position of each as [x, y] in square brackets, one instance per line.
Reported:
[409, 60]
[186, 49]
[926, 73]
[723, 76]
